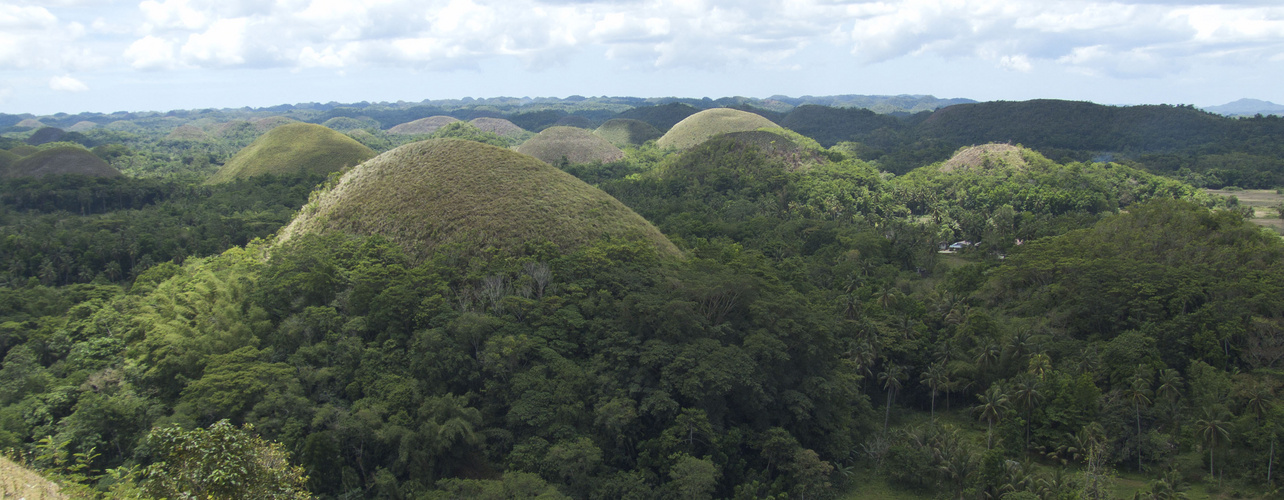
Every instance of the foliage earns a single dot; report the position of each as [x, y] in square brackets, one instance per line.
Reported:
[221, 462]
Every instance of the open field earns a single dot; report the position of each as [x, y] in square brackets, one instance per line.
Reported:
[1261, 200]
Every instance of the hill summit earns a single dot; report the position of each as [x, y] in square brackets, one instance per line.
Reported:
[575, 145]
[61, 160]
[294, 149]
[471, 195]
[701, 126]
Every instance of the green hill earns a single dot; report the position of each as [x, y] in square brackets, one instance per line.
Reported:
[60, 160]
[23, 150]
[796, 152]
[82, 126]
[187, 133]
[498, 126]
[296, 148]
[7, 158]
[661, 117]
[346, 123]
[449, 191]
[699, 127]
[626, 131]
[829, 126]
[46, 135]
[30, 123]
[423, 125]
[575, 145]
[271, 122]
[574, 121]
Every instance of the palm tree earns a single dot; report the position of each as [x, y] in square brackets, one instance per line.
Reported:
[1027, 395]
[993, 403]
[891, 378]
[1138, 393]
[1210, 428]
[936, 378]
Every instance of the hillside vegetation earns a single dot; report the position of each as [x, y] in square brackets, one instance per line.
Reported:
[423, 125]
[627, 132]
[294, 149]
[451, 192]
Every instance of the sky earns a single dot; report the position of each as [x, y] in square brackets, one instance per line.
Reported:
[156, 55]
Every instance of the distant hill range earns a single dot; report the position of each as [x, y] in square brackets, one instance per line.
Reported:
[1247, 107]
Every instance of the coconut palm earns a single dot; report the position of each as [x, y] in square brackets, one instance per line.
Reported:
[891, 378]
[936, 378]
[1027, 397]
[1211, 427]
[1138, 393]
[993, 403]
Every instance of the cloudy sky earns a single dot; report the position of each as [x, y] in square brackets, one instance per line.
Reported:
[129, 55]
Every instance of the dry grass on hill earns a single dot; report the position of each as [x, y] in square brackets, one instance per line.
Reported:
[293, 149]
[60, 160]
[423, 125]
[627, 132]
[498, 126]
[17, 482]
[457, 192]
[575, 145]
[985, 156]
[271, 122]
[701, 126]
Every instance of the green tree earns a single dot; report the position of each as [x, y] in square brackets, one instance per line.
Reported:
[221, 462]
[990, 410]
[1211, 427]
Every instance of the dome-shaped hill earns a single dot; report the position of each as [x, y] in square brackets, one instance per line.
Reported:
[699, 127]
[576, 145]
[423, 125]
[82, 126]
[456, 192]
[23, 150]
[46, 135]
[235, 128]
[187, 133]
[625, 132]
[271, 122]
[293, 149]
[30, 123]
[793, 151]
[574, 121]
[124, 126]
[7, 159]
[346, 123]
[986, 156]
[661, 117]
[60, 160]
[498, 126]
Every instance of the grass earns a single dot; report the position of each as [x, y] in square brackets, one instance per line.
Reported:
[986, 155]
[60, 160]
[23, 150]
[498, 126]
[457, 192]
[293, 149]
[574, 121]
[423, 125]
[798, 153]
[576, 145]
[19, 482]
[627, 132]
[46, 135]
[82, 126]
[30, 123]
[702, 126]
[1261, 200]
[661, 117]
[7, 158]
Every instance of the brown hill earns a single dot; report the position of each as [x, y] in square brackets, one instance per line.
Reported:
[294, 149]
[423, 125]
[986, 156]
[699, 127]
[60, 160]
[498, 126]
[575, 145]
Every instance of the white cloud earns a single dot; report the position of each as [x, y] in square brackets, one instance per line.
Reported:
[223, 44]
[66, 83]
[150, 53]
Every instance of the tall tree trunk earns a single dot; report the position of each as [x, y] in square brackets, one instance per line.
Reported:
[1137, 406]
[887, 417]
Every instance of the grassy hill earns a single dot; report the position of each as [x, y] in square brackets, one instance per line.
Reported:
[82, 126]
[346, 123]
[7, 158]
[455, 192]
[626, 131]
[987, 156]
[796, 152]
[271, 122]
[498, 126]
[661, 117]
[576, 145]
[30, 123]
[60, 160]
[699, 127]
[574, 121]
[46, 135]
[294, 149]
[187, 133]
[423, 125]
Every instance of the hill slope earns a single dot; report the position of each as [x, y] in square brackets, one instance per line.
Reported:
[60, 161]
[626, 131]
[576, 145]
[449, 191]
[699, 127]
[293, 149]
[423, 125]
